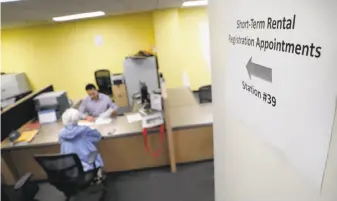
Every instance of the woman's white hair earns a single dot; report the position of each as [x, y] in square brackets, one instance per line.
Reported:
[71, 116]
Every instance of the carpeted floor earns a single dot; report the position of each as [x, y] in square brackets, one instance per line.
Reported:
[192, 182]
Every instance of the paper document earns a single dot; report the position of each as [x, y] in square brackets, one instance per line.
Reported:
[133, 117]
[47, 116]
[85, 123]
[100, 121]
[156, 102]
[106, 114]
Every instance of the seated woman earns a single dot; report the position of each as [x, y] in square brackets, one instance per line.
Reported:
[79, 139]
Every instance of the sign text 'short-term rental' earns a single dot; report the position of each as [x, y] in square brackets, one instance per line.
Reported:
[269, 23]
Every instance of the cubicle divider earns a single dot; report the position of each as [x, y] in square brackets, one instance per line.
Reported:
[13, 117]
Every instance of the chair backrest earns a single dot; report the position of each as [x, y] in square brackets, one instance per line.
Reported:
[205, 94]
[63, 170]
[103, 81]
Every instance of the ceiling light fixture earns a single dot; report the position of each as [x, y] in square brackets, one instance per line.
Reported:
[195, 3]
[7, 1]
[78, 16]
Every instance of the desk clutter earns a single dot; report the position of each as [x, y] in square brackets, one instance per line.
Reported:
[21, 112]
[27, 133]
[148, 109]
[27, 136]
[23, 137]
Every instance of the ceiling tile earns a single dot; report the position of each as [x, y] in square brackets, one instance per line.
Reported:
[169, 4]
[27, 12]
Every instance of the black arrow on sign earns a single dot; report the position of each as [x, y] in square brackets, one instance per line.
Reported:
[257, 70]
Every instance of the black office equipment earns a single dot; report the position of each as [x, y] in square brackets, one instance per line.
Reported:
[205, 94]
[66, 173]
[103, 81]
[14, 136]
[14, 117]
[144, 94]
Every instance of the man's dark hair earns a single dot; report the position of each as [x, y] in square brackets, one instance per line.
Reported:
[90, 87]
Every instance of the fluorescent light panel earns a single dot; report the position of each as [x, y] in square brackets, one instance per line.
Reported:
[78, 16]
[195, 3]
[7, 1]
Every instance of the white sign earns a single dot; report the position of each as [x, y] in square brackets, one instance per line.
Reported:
[282, 75]
[98, 39]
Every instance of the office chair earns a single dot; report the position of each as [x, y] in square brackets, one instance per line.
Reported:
[23, 190]
[65, 172]
[205, 94]
[103, 81]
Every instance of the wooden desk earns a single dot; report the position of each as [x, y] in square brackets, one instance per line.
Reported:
[122, 146]
[121, 142]
[193, 132]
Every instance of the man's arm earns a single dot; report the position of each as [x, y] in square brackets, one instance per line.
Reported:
[82, 109]
[113, 108]
[111, 111]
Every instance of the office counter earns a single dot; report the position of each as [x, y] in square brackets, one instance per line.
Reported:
[48, 133]
[122, 146]
[193, 132]
[190, 116]
[182, 96]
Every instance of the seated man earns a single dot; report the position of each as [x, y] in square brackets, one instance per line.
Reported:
[79, 139]
[96, 104]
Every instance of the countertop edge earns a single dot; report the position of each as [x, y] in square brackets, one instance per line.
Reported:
[103, 137]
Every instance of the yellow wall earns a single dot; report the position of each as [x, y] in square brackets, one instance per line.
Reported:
[179, 47]
[66, 55]
[192, 59]
[167, 38]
